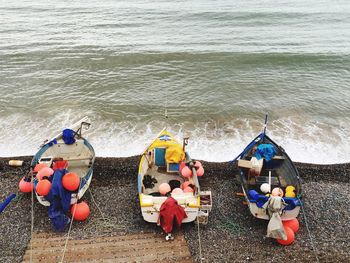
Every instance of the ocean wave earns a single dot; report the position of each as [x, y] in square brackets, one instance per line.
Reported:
[304, 140]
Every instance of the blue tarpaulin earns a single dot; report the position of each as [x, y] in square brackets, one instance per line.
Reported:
[266, 151]
[59, 199]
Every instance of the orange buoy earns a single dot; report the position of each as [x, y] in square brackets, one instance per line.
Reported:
[186, 172]
[188, 189]
[25, 185]
[71, 181]
[292, 224]
[82, 211]
[164, 188]
[200, 171]
[40, 166]
[290, 237]
[46, 171]
[43, 187]
[177, 191]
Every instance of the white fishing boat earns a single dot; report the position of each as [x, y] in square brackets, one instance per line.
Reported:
[161, 163]
[77, 154]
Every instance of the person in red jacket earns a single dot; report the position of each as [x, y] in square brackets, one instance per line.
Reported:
[170, 213]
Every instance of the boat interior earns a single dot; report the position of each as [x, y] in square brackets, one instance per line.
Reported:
[78, 156]
[256, 172]
[156, 170]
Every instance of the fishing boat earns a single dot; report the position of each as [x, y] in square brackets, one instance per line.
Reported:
[72, 152]
[161, 164]
[266, 172]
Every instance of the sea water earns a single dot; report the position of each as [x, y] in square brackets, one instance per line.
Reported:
[215, 67]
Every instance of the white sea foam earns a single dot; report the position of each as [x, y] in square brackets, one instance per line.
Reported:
[304, 141]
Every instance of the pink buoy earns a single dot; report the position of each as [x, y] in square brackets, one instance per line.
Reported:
[164, 188]
[185, 184]
[200, 171]
[46, 171]
[277, 192]
[39, 166]
[25, 185]
[186, 172]
[292, 224]
[197, 164]
[182, 165]
[188, 189]
[177, 191]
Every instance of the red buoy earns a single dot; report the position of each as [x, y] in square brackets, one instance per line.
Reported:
[71, 181]
[290, 237]
[43, 187]
[82, 211]
[293, 224]
[25, 185]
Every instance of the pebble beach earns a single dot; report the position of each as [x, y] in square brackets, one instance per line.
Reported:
[232, 234]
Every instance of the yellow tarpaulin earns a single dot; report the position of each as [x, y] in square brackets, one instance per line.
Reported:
[174, 154]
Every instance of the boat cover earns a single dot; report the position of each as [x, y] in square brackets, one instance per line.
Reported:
[171, 212]
[266, 151]
[59, 199]
[174, 154]
[275, 206]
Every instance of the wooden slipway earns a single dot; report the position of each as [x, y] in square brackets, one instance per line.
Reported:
[142, 247]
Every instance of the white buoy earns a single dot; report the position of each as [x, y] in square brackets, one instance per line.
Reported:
[15, 163]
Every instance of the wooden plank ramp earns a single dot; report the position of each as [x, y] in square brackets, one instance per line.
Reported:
[141, 247]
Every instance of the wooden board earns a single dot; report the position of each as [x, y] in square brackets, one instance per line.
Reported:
[143, 247]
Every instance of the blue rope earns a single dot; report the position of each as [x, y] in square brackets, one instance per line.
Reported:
[6, 202]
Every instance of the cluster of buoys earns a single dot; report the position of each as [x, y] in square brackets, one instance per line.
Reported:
[290, 227]
[186, 171]
[70, 181]
[290, 191]
[44, 172]
[165, 188]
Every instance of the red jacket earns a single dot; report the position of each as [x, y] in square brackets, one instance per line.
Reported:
[169, 211]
